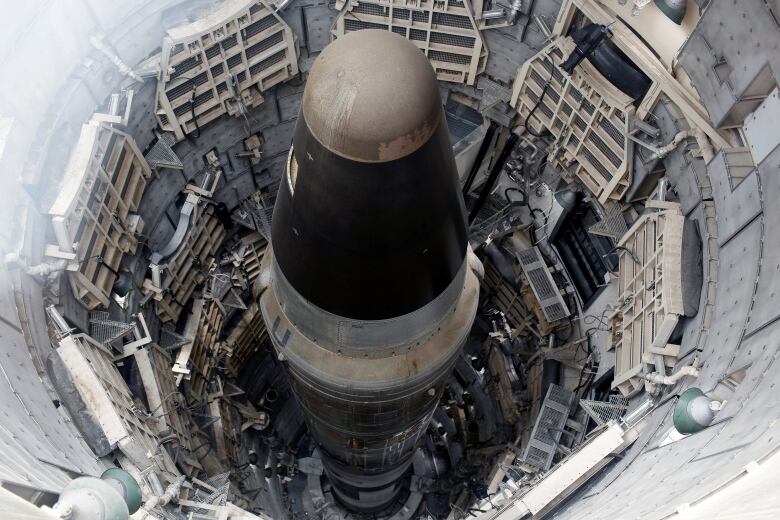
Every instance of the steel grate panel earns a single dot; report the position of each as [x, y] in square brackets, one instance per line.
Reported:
[596, 164]
[548, 427]
[259, 26]
[184, 53]
[556, 312]
[401, 14]
[217, 69]
[416, 34]
[542, 284]
[420, 16]
[603, 148]
[603, 412]
[235, 61]
[372, 9]
[449, 57]
[359, 25]
[185, 66]
[266, 63]
[548, 421]
[538, 278]
[452, 39]
[266, 44]
[612, 131]
[451, 20]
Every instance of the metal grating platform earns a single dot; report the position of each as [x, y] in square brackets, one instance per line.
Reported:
[549, 425]
[605, 411]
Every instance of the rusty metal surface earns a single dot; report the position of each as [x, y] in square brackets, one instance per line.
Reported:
[353, 109]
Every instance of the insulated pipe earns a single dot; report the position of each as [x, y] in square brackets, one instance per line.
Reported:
[674, 143]
[663, 151]
[42, 269]
[662, 379]
[160, 500]
[707, 152]
[514, 11]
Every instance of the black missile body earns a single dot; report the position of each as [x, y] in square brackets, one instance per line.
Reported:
[371, 296]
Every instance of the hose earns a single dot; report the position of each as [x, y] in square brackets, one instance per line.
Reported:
[194, 135]
[662, 379]
[538, 102]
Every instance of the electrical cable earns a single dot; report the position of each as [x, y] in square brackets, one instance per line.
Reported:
[539, 102]
[523, 202]
[196, 133]
[627, 250]
[590, 318]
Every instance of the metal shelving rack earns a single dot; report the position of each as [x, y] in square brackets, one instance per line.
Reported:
[650, 302]
[94, 215]
[245, 339]
[197, 360]
[587, 117]
[188, 265]
[221, 64]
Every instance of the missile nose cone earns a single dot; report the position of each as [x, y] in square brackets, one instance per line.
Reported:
[372, 96]
[370, 223]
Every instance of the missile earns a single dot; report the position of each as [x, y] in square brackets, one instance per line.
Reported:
[370, 295]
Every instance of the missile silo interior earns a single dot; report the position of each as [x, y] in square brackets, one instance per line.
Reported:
[389, 259]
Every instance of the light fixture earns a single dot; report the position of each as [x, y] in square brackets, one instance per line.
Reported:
[567, 199]
[673, 9]
[694, 411]
[123, 284]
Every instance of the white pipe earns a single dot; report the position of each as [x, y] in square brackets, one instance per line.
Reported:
[493, 14]
[543, 27]
[662, 379]
[281, 5]
[514, 11]
[675, 142]
[663, 151]
[42, 269]
[116, 60]
[160, 500]
[707, 151]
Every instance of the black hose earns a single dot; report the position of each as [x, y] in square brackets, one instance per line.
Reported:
[196, 133]
[539, 102]
[522, 202]
[627, 250]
